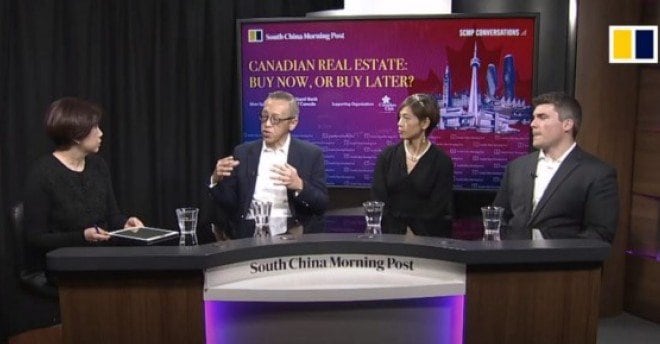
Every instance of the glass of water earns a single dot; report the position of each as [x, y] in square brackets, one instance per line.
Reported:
[187, 225]
[492, 217]
[260, 210]
[373, 214]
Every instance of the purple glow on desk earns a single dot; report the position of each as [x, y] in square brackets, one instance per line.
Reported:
[454, 322]
[222, 317]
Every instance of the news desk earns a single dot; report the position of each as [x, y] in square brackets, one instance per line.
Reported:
[302, 290]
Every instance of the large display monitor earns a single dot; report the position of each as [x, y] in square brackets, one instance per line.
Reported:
[349, 75]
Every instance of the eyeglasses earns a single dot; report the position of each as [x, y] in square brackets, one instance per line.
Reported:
[273, 120]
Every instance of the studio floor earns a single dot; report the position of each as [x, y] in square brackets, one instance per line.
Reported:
[629, 329]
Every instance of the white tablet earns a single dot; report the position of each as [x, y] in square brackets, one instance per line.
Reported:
[145, 234]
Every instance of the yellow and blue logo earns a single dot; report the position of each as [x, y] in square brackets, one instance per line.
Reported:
[633, 44]
[255, 35]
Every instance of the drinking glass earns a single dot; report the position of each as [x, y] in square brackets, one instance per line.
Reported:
[373, 214]
[492, 217]
[260, 210]
[187, 225]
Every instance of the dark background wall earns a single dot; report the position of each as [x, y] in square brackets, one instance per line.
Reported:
[164, 70]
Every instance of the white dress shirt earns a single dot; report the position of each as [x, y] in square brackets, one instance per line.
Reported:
[545, 170]
[265, 188]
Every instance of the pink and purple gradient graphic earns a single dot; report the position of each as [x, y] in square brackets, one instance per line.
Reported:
[224, 319]
[350, 82]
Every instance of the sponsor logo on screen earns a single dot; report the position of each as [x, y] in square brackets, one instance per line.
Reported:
[386, 104]
[633, 44]
[255, 35]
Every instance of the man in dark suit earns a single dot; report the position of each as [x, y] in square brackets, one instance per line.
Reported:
[286, 171]
[559, 191]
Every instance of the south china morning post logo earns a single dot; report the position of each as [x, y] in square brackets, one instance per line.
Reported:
[255, 35]
[633, 44]
[258, 35]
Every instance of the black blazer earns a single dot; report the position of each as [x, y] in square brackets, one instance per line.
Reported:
[235, 193]
[581, 200]
[421, 200]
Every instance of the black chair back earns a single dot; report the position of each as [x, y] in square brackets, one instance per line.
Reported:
[33, 280]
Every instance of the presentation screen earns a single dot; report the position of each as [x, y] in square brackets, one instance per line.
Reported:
[350, 74]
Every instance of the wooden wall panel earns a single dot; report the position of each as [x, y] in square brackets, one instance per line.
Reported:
[646, 175]
[642, 268]
[645, 225]
[608, 94]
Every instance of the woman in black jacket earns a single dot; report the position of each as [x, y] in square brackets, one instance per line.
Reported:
[69, 199]
[414, 177]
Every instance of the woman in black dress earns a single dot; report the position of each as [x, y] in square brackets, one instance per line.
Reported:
[414, 177]
[69, 199]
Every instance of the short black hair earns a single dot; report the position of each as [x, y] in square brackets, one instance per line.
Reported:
[567, 107]
[71, 119]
